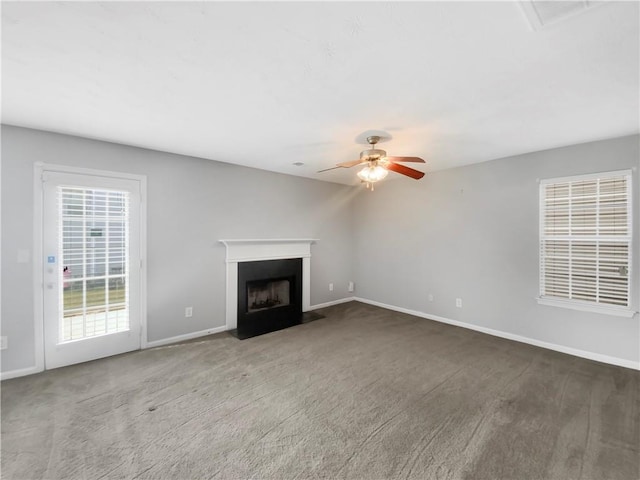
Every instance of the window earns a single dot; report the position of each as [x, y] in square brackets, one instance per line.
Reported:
[585, 242]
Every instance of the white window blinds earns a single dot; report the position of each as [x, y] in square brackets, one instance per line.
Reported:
[585, 239]
[94, 246]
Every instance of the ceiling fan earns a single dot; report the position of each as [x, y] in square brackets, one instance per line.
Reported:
[379, 164]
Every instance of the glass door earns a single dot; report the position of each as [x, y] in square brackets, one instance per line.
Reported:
[92, 267]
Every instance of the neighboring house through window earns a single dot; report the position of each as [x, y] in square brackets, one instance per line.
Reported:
[585, 242]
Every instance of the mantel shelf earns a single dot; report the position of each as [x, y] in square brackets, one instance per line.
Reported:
[261, 241]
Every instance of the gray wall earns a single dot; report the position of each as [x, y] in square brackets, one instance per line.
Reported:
[469, 232]
[472, 232]
[191, 204]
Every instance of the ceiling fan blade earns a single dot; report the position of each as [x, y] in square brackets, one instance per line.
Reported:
[409, 172]
[350, 164]
[406, 159]
[344, 165]
[327, 169]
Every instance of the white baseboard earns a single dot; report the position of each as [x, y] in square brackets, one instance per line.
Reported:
[156, 343]
[496, 333]
[186, 336]
[210, 331]
[332, 302]
[598, 357]
[21, 372]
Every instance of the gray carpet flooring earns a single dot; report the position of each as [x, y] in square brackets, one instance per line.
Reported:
[364, 393]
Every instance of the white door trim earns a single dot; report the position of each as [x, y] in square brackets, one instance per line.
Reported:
[38, 258]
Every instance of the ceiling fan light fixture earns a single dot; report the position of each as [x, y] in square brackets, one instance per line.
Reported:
[372, 174]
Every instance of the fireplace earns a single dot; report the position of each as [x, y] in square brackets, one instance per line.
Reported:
[269, 296]
[241, 251]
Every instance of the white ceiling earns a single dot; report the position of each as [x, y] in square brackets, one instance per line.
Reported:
[269, 84]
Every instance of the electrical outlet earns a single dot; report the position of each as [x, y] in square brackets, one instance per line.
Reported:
[188, 312]
[459, 302]
[4, 343]
[331, 287]
[430, 297]
[351, 286]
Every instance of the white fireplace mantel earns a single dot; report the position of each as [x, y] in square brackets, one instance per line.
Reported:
[251, 250]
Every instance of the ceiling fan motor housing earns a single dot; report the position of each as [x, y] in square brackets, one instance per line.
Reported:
[372, 154]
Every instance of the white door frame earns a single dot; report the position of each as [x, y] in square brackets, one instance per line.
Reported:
[38, 251]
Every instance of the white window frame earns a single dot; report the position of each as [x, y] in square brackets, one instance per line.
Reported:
[583, 305]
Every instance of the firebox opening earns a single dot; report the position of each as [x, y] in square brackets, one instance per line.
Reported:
[268, 294]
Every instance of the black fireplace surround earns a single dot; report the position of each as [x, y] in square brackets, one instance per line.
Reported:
[269, 296]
